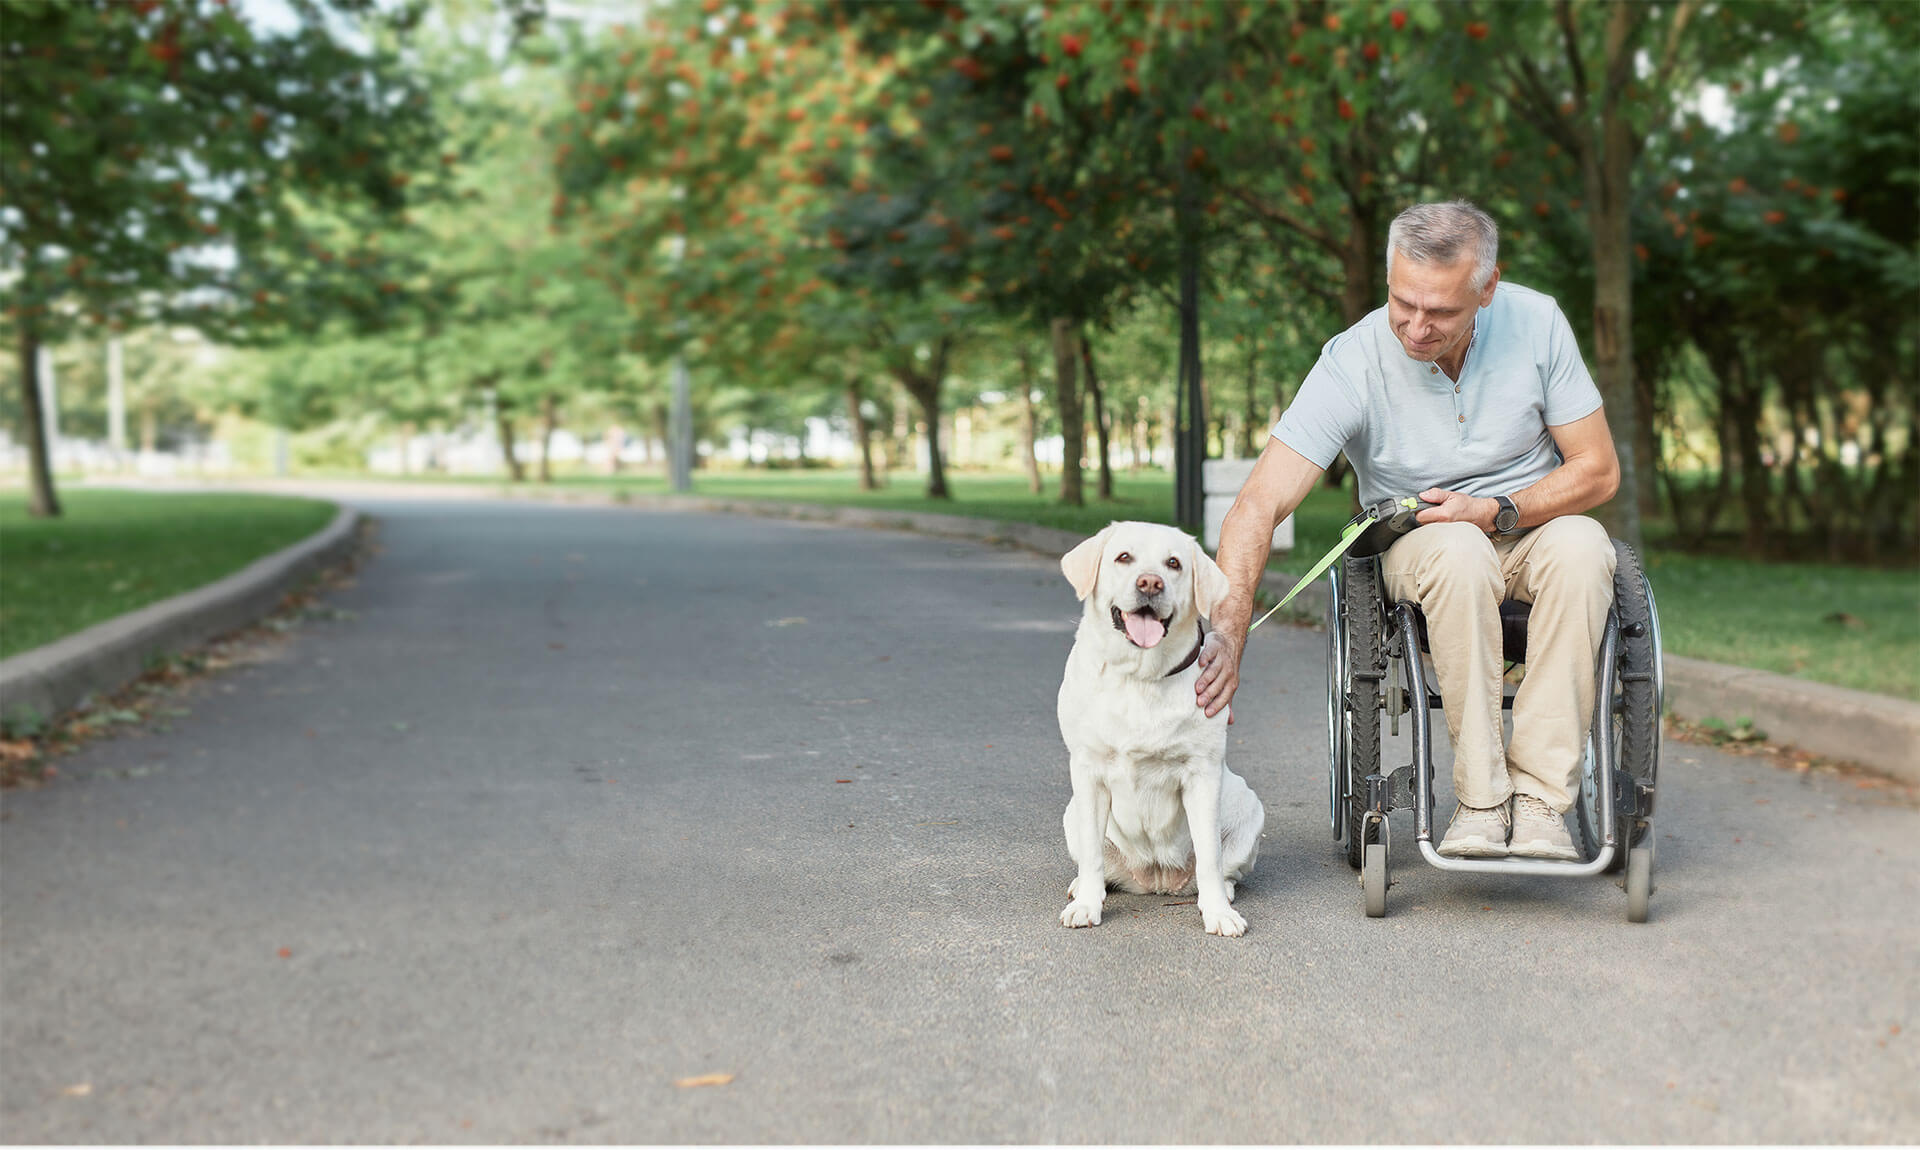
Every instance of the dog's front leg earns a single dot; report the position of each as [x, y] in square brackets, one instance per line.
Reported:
[1201, 797]
[1086, 827]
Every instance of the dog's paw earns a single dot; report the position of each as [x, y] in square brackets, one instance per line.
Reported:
[1080, 913]
[1224, 921]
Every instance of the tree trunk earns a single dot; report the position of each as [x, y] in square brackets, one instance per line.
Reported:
[1190, 429]
[924, 387]
[43, 502]
[1607, 173]
[1102, 422]
[547, 420]
[1613, 359]
[862, 434]
[1744, 416]
[1646, 445]
[1030, 422]
[900, 452]
[1066, 391]
[1360, 265]
[1140, 441]
[615, 438]
[504, 423]
[1247, 429]
[663, 432]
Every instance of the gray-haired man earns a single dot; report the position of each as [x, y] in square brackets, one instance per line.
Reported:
[1471, 394]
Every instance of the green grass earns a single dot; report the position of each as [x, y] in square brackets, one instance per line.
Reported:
[114, 551]
[1851, 626]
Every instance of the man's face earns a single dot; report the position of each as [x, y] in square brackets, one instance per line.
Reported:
[1431, 306]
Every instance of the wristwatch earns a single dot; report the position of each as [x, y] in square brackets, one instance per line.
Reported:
[1506, 521]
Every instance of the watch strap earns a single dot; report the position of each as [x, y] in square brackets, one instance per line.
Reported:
[1507, 510]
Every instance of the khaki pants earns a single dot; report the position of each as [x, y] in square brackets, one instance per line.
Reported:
[1458, 575]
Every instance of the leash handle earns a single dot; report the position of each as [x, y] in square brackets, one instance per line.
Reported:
[1353, 530]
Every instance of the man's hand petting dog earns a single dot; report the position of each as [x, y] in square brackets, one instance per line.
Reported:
[1219, 664]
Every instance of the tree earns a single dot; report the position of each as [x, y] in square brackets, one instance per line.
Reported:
[1573, 73]
[158, 152]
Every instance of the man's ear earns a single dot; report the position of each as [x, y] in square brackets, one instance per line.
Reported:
[1209, 582]
[1082, 564]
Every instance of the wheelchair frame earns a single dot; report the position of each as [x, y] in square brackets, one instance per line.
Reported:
[1614, 808]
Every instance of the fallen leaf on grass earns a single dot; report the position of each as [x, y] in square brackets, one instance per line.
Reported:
[704, 1080]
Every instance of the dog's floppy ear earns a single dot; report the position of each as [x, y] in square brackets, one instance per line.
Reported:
[1082, 564]
[1209, 582]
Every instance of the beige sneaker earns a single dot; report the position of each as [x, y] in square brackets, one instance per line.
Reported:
[1539, 832]
[1477, 833]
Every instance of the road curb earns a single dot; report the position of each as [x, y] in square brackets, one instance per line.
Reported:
[49, 680]
[1876, 731]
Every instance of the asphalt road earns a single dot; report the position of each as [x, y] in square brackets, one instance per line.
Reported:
[579, 802]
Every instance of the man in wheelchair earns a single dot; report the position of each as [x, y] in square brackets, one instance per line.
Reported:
[1471, 394]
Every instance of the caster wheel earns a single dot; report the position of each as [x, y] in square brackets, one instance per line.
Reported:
[1373, 879]
[1639, 882]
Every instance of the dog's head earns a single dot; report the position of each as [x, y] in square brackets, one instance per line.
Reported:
[1146, 578]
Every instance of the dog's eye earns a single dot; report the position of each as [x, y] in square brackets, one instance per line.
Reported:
[1173, 564]
[1123, 557]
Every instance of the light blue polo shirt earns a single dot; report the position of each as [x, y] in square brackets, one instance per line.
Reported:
[1406, 427]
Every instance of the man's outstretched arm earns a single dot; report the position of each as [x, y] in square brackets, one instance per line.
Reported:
[1281, 479]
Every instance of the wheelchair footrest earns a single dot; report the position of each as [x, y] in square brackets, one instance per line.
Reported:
[1393, 792]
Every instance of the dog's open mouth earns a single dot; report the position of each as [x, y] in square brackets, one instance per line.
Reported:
[1141, 626]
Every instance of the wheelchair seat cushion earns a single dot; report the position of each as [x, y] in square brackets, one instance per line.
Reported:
[1513, 629]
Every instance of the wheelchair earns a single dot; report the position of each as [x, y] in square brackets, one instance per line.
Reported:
[1375, 673]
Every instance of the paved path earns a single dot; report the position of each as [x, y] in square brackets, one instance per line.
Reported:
[555, 818]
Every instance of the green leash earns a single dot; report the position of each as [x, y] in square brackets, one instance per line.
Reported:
[1352, 532]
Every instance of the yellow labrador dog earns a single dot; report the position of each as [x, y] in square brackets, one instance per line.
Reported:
[1155, 809]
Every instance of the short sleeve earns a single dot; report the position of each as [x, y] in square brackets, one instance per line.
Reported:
[1571, 394]
[1325, 415]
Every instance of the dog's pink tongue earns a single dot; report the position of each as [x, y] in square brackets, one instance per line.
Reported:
[1143, 629]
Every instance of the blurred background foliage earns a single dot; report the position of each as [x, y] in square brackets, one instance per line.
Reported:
[960, 234]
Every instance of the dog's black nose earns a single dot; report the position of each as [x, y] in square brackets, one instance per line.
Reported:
[1149, 584]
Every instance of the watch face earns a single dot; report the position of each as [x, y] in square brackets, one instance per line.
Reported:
[1508, 518]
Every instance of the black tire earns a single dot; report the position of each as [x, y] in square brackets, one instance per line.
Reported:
[1635, 727]
[1361, 591]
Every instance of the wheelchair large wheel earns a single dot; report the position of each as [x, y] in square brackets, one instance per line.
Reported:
[1354, 666]
[1632, 721]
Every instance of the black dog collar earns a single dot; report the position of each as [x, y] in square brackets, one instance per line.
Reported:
[1191, 655]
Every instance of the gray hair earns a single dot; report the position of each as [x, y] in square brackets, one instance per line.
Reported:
[1445, 233]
